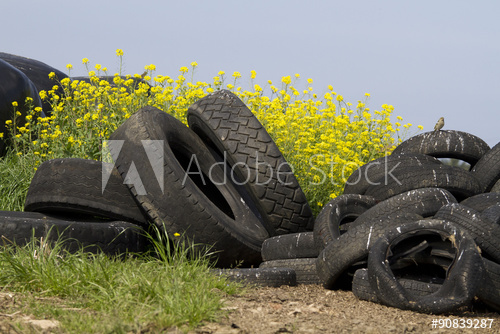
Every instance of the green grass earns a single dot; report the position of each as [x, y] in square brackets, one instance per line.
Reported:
[169, 286]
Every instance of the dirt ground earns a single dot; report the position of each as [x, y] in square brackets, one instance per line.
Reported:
[300, 309]
[313, 309]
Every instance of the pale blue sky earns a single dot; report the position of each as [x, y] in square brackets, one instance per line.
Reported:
[426, 58]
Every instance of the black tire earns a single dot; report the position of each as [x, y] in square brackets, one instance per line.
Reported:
[289, 246]
[424, 202]
[341, 257]
[446, 144]
[109, 237]
[492, 214]
[195, 199]
[481, 202]
[340, 210]
[305, 269]
[378, 169]
[14, 87]
[457, 181]
[461, 280]
[270, 277]
[487, 169]
[489, 289]
[362, 289]
[76, 185]
[485, 233]
[496, 187]
[38, 73]
[225, 124]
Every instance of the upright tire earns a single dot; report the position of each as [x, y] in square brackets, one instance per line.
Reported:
[180, 186]
[226, 125]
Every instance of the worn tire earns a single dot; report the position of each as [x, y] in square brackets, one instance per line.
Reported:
[362, 289]
[492, 214]
[289, 246]
[425, 202]
[202, 204]
[462, 279]
[377, 169]
[342, 209]
[485, 233]
[341, 257]
[481, 202]
[489, 289]
[95, 235]
[76, 185]
[270, 277]
[304, 268]
[459, 182]
[487, 169]
[225, 124]
[446, 144]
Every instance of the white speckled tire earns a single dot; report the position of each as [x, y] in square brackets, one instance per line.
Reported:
[289, 246]
[271, 277]
[462, 279]
[304, 268]
[446, 144]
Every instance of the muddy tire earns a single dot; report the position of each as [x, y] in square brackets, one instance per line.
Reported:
[362, 289]
[340, 210]
[446, 144]
[226, 125]
[289, 246]
[94, 235]
[459, 182]
[460, 284]
[304, 268]
[76, 185]
[180, 186]
[485, 233]
[270, 277]
[341, 257]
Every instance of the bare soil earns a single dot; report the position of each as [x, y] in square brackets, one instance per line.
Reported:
[300, 309]
[313, 309]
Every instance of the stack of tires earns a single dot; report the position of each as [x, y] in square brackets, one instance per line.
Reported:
[413, 233]
[221, 181]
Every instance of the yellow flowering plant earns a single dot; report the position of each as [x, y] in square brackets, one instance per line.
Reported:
[323, 138]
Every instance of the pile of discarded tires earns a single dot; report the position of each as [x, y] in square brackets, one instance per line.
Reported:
[413, 233]
[408, 232]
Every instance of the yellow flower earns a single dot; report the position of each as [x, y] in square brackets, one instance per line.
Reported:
[97, 66]
[1, 134]
[221, 73]
[286, 80]
[69, 66]
[194, 64]
[14, 104]
[236, 75]
[253, 74]
[119, 53]
[85, 60]
[309, 81]
[176, 234]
